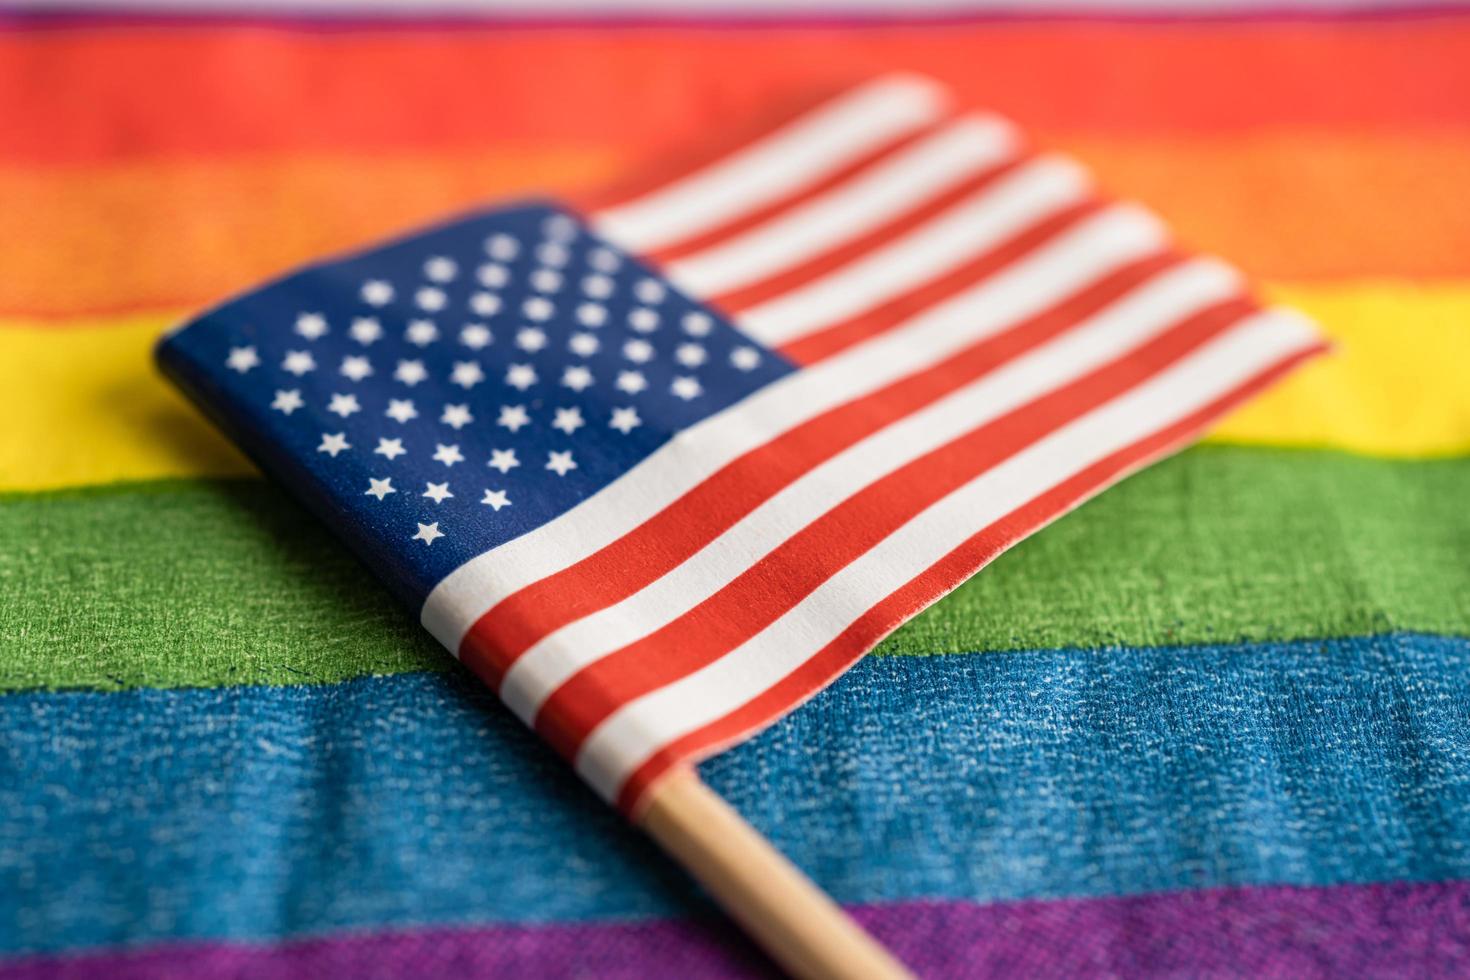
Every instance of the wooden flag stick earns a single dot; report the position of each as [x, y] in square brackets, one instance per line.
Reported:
[790, 917]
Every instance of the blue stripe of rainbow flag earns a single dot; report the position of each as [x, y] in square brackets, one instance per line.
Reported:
[269, 812]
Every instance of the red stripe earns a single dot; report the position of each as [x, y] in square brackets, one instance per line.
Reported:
[833, 339]
[654, 548]
[189, 91]
[759, 216]
[979, 550]
[402, 21]
[830, 261]
[769, 588]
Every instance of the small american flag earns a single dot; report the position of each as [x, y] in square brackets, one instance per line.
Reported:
[660, 470]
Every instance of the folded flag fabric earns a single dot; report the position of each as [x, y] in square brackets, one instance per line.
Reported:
[660, 468]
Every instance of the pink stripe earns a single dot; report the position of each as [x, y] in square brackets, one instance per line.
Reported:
[1401, 928]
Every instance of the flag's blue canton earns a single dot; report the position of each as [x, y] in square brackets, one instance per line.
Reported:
[443, 394]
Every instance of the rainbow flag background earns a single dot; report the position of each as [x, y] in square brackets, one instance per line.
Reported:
[1217, 721]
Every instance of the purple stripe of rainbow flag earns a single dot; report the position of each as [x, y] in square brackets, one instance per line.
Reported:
[1347, 930]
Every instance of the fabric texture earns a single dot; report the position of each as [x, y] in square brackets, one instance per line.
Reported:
[1212, 723]
[1352, 930]
[1380, 547]
[1039, 774]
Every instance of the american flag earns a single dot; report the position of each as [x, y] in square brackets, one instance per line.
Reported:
[661, 468]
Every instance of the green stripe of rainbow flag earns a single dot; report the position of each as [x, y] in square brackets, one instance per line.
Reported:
[205, 583]
[1272, 630]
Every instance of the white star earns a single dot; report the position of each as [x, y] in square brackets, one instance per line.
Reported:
[631, 382]
[475, 336]
[513, 417]
[496, 499]
[312, 326]
[530, 339]
[288, 401]
[421, 333]
[643, 320]
[365, 330]
[604, 260]
[485, 304]
[650, 291]
[448, 455]
[690, 355]
[428, 533]
[560, 463]
[568, 420]
[638, 351]
[457, 416]
[344, 405]
[576, 378]
[430, 298]
[546, 280]
[591, 315]
[745, 358]
[356, 368]
[333, 444]
[376, 292]
[467, 374]
[551, 253]
[437, 492]
[242, 359]
[697, 324]
[411, 372]
[392, 448]
[559, 228]
[503, 460]
[538, 308]
[598, 287]
[441, 269]
[520, 376]
[379, 488]
[492, 275]
[298, 362]
[401, 409]
[686, 388]
[502, 247]
[625, 420]
[583, 344]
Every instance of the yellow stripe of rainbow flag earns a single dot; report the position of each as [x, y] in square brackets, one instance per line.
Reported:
[89, 407]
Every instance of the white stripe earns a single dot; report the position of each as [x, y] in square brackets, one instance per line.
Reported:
[889, 189]
[618, 746]
[798, 154]
[1144, 313]
[1092, 249]
[944, 243]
